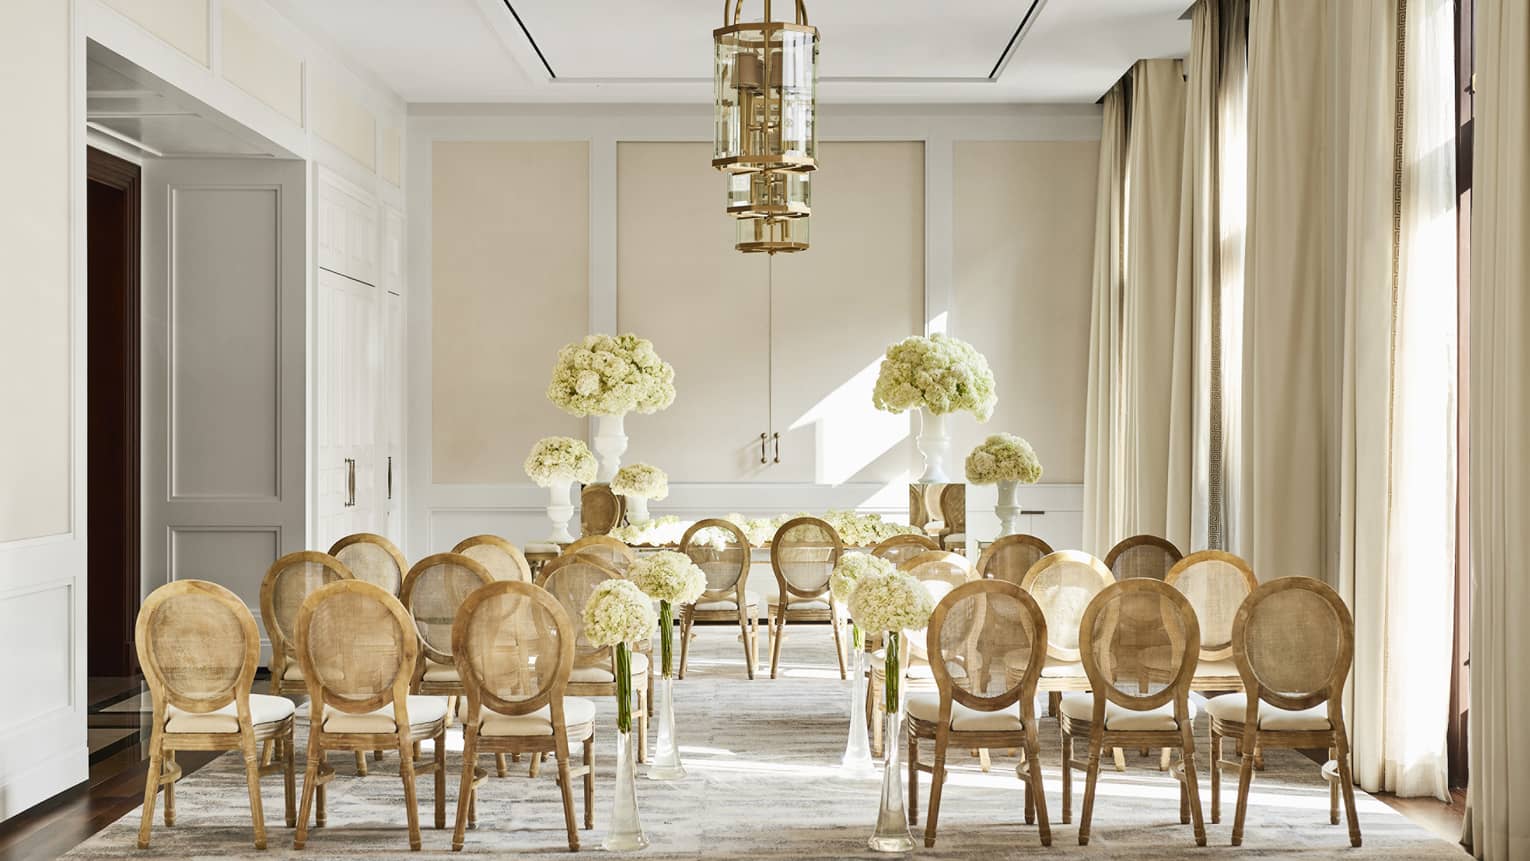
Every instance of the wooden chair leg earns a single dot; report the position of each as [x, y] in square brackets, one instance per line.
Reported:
[685, 642]
[566, 789]
[170, 791]
[1216, 777]
[779, 631]
[536, 765]
[310, 788]
[937, 781]
[589, 782]
[1192, 784]
[268, 751]
[151, 788]
[440, 775]
[252, 779]
[289, 779]
[377, 756]
[1067, 777]
[465, 794]
[361, 764]
[501, 767]
[1054, 703]
[406, 772]
[1347, 786]
[1119, 757]
[913, 777]
[1333, 792]
[839, 647]
[1245, 777]
[1091, 777]
[743, 631]
[1038, 789]
[985, 762]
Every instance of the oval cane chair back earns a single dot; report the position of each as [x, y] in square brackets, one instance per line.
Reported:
[901, 548]
[288, 582]
[606, 549]
[953, 507]
[721, 550]
[1215, 583]
[512, 646]
[918, 509]
[571, 580]
[976, 627]
[1139, 641]
[1010, 557]
[372, 558]
[803, 554]
[503, 559]
[1064, 583]
[198, 646]
[600, 510]
[1293, 641]
[1142, 556]
[940, 572]
[358, 648]
[434, 590]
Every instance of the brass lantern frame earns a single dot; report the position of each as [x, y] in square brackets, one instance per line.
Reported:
[766, 29]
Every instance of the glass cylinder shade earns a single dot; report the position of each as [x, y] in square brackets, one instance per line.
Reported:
[765, 79]
[769, 194]
[772, 235]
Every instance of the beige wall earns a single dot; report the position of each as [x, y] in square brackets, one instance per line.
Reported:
[260, 65]
[34, 292]
[181, 23]
[339, 118]
[1023, 215]
[510, 283]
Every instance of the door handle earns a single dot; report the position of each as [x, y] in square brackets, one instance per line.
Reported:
[777, 438]
[350, 482]
[390, 477]
[764, 438]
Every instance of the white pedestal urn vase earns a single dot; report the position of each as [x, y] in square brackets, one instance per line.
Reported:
[610, 445]
[559, 510]
[1005, 461]
[556, 462]
[637, 509]
[935, 444]
[1008, 507]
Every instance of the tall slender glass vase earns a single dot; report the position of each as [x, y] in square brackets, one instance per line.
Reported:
[857, 760]
[666, 761]
[892, 834]
[626, 834]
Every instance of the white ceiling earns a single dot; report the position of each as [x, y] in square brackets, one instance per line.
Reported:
[660, 50]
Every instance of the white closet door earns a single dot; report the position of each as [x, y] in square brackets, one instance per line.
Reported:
[391, 448]
[837, 306]
[223, 370]
[705, 307]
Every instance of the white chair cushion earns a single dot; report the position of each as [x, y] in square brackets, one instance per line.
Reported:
[1234, 708]
[926, 707]
[422, 711]
[435, 672]
[1216, 670]
[724, 604]
[576, 712]
[795, 603]
[601, 674]
[1053, 669]
[264, 708]
[1080, 706]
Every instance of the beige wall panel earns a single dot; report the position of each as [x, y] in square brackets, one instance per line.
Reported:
[339, 118]
[389, 154]
[258, 64]
[1023, 235]
[836, 307]
[705, 307]
[34, 293]
[509, 286]
[181, 23]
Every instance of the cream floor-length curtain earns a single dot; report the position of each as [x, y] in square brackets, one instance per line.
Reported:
[1102, 415]
[1156, 354]
[1499, 425]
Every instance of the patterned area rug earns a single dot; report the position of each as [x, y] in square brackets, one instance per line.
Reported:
[763, 782]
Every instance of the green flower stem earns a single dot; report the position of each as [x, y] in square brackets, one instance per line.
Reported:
[667, 638]
[857, 637]
[623, 688]
[891, 675]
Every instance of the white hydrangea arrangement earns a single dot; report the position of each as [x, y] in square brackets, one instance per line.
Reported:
[618, 613]
[641, 480]
[1003, 457]
[668, 576]
[560, 458]
[940, 373]
[611, 376]
[892, 601]
[661, 530]
[851, 568]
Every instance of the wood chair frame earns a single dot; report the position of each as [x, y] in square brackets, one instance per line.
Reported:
[745, 611]
[557, 743]
[381, 541]
[887, 548]
[1126, 544]
[600, 509]
[1252, 739]
[990, 552]
[1022, 693]
[405, 737]
[781, 612]
[1055, 686]
[517, 557]
[163, 769]
[953, 512]
[604, 542]
[875, 688]
[1101, 737]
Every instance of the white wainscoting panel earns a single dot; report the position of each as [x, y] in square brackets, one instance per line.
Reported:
[37, 649]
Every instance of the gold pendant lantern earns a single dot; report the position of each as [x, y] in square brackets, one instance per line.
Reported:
[765, 78]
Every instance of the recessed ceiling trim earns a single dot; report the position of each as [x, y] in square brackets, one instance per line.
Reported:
[534, 46]
[1015, 39]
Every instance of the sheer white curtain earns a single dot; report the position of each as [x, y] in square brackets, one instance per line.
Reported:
[1500, 423]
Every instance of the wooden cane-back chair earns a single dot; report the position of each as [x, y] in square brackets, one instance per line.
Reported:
[374, 559]
[503, 559]
[358, 648]
[1011, 557]
[198, 646]
[572, 579]
[433, 591]
[1064, 583]
[975, 626]
[803, 554]
[1142, 556]
[721, 550]
[901, 548]
[606, 549]
[600, 510]
[953, 512]
[1293, 640]
[514, 650]
[1140, 675]
[288, 582]
[1216, 584]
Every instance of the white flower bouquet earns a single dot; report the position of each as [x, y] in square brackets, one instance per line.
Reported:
[851, 568]
[670, 578]
[892, 602]
[560, 458]
[641, 480]
[939, 373]
[618, 614]
[661, 530]
[1003, 457]
[611, 376]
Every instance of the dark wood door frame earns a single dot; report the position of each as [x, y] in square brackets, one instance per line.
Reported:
[114, 466]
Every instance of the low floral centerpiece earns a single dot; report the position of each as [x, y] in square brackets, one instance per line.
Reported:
[640, 482]
[847, 572]
[556, 462]
[938, 375]
[671, 579]
[1007, 461]
[607, 377]
[619, 615]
